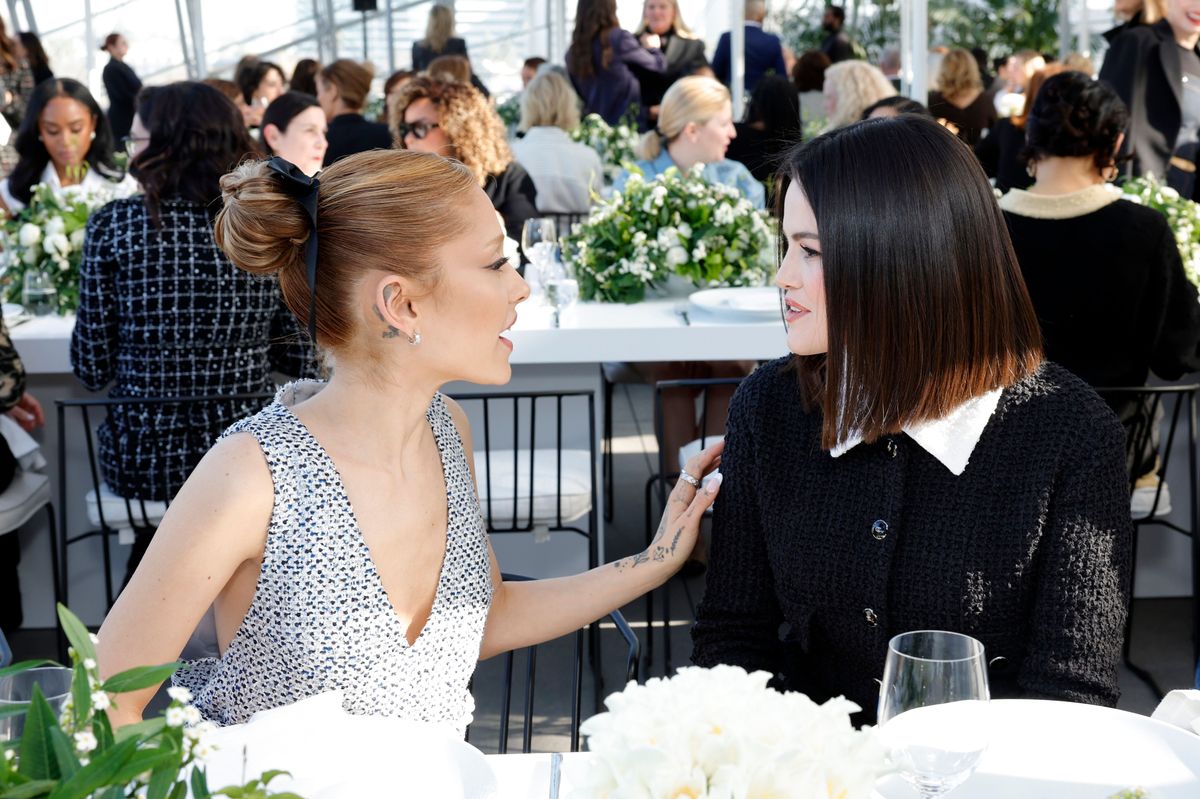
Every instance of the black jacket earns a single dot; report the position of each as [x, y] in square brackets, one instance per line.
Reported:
[122, 85]
[422, 53]
[684, 57]
[1143, 66]
[999, 153]
[1028, 550]
[352, 133]
[513, 194]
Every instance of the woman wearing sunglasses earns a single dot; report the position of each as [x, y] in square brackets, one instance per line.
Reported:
[64, 141]
[455, 121]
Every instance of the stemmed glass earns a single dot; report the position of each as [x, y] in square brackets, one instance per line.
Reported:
[39, 294]
[561, 287]
[933, 708]
[539, 242]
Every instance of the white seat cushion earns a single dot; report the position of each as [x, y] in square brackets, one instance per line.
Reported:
[117, 516]
[28, 493]
[576, 485]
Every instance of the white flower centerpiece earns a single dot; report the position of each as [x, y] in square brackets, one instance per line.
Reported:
[47, 236]
[613, 143]
[1183, 215]
[678, 223]
[721, 733]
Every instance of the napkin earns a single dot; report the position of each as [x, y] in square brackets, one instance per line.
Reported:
[24, 447]
[332, 754]
[1181, 709]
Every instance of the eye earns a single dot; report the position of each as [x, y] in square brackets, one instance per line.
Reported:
[497, 265]
[809, 252]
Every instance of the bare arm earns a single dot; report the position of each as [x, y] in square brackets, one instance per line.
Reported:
[217, 522]
[527, 613]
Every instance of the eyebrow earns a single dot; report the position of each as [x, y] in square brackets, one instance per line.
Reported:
[804, 234]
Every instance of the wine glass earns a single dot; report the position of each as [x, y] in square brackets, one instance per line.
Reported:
[38, 293]
[539, 240]
[561, 287]
[933, 708]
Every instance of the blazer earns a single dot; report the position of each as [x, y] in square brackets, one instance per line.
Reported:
[352, 133]
[422, 53]
[764, 53]
[1143, 67]
[609, 92]
[684, 56]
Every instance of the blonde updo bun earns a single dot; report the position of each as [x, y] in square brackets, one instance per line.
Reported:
[386, 210]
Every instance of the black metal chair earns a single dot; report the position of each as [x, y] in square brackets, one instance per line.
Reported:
[108, 513]
[659, 485]
[1146, 403]
[525, 662]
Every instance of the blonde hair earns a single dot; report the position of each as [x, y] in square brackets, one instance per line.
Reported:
[678, 26]
[549, 100]
[692, 99]
[857, 85]
[370, 206]
[450, 67]
[440, 27]
[1153, 11]
[959, 74]
[352, 79]
[465, 116]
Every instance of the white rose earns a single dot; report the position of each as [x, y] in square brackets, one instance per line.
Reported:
[56, 244]
[700, 252]
[685, 230]
[29, 235]
[676, 256]
[55, 225]
[668, 237]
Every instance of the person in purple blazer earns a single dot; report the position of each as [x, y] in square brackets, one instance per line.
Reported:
[600, 58]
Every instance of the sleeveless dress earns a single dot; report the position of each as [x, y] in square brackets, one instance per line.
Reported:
[320, 619]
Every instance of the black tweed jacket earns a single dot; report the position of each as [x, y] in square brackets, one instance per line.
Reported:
[1027, 550]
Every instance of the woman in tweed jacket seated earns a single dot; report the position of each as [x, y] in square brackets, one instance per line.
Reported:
[915, 463]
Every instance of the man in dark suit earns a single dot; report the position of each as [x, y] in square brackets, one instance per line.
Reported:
[764, 51]
[837, 45]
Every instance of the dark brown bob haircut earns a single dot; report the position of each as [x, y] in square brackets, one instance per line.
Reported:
[925, 301]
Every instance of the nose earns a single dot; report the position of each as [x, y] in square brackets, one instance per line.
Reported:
[522, 288]
[787, 276]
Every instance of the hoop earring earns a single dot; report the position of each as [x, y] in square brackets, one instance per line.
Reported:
[1110, 173]
[1031, 169]
[415, 338]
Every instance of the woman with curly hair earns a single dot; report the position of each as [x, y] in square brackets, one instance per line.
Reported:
[454, 120]
[602, 60]
[850, 88]
[960, 98]
[163, 313]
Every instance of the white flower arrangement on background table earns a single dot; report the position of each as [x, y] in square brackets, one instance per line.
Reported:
[613, 143]
[678, 223]
[721, 733]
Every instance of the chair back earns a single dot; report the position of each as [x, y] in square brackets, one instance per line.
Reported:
[703, 390]
[535, 461]
[106, 511]
[518, 670]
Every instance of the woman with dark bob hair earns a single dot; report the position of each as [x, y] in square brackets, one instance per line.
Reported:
[162, 312]
[914, 463]
[1104, 273]
[64, 141]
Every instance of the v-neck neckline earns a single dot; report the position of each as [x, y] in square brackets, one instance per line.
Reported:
[340, 486]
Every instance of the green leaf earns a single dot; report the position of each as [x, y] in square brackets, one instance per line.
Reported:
[115, 792]
[180, 791]
[98, 773]
[76, 633]
[13, 709]
[25, 665]
[142, 730]
[102, 729]
[199, 785]
[64, 753]
[81, 695]
[36, 761]
[29, 790]
[148, 760]
[139, 678]
[160, 782]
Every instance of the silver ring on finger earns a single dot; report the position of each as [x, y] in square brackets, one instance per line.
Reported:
[689, 479]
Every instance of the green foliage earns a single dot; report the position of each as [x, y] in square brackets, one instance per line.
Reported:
[614, 144]
[510, 111]
[76, 755]
[677, 223]
[1182, 215]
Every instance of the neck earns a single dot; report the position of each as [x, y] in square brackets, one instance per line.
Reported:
[1065, 175]
[682, 155]
[378, 420]
[68, 175]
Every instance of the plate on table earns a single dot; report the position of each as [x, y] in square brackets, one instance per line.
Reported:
[1066, 750]
[746, 304]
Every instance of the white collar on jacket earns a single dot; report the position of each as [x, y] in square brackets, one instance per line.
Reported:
[950, 439]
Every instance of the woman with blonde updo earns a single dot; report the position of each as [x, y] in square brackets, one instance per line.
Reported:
[337, 533]
[850, 88]
[566, 173]
[960, 98]
[695, 126]
[342, 89]
[454, 120]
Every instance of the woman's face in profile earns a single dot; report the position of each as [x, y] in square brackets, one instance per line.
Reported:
[425, 134]
[801, 277]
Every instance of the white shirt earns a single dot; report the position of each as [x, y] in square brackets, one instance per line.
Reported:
[565, 172]
[93, 182]
[950, 439]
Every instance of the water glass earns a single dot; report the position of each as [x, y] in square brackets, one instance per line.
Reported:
[539, 242]
[561, 288]
[38, 293]
[55, 683]
[933, 708]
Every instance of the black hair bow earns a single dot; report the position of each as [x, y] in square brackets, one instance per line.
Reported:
[304, 189]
